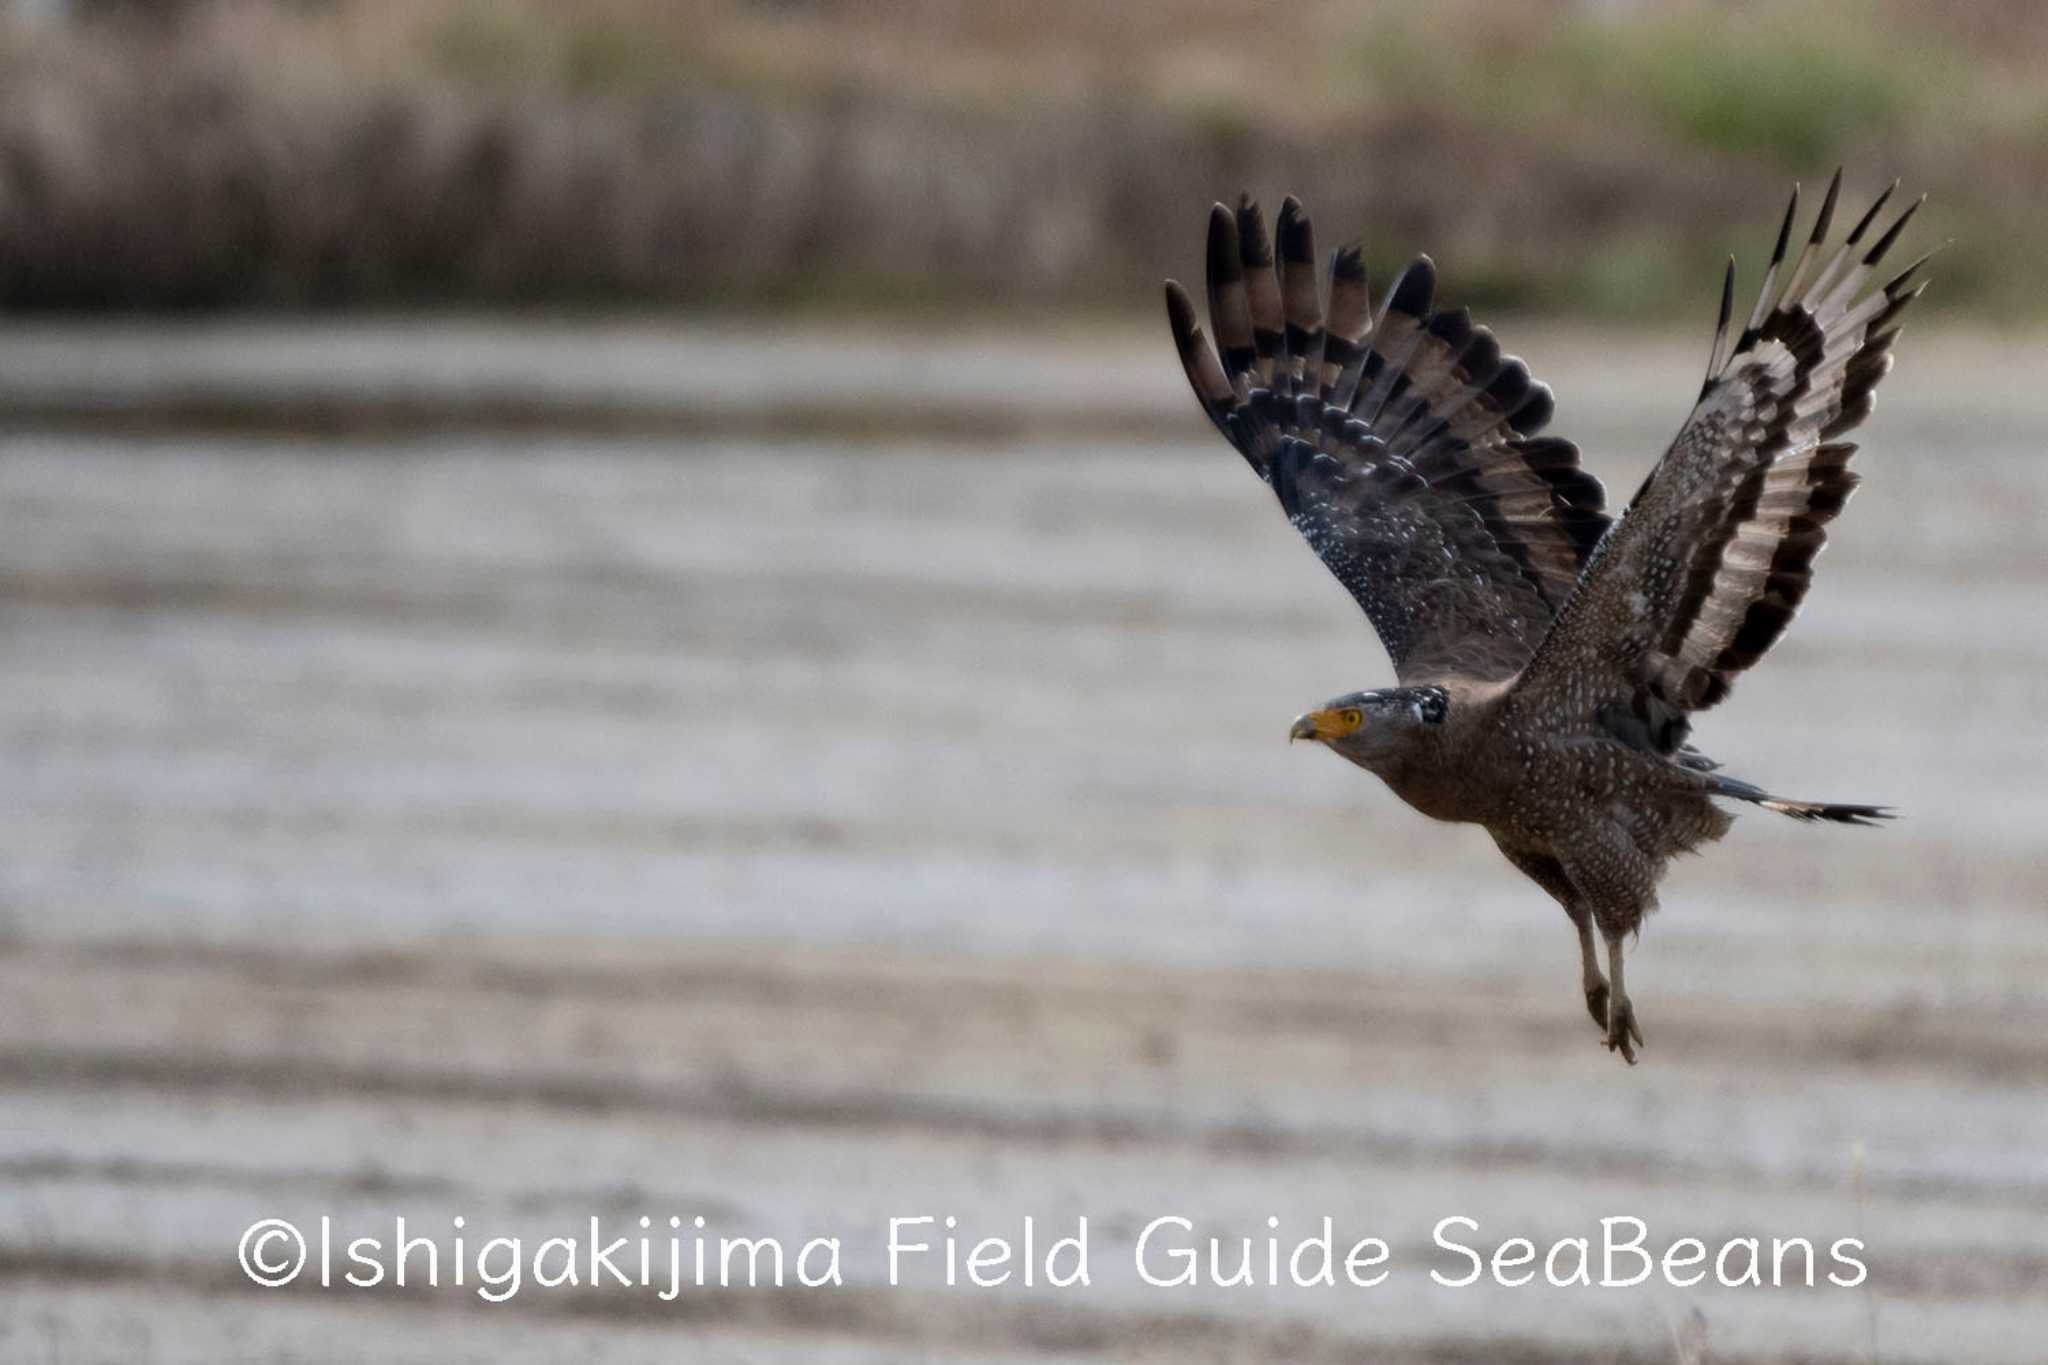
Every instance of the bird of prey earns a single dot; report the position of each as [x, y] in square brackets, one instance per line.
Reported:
[1548, 655]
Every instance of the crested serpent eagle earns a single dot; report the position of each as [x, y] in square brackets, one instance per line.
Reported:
[1548, 654]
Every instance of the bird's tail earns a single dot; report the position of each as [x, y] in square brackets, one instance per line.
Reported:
[1838, 813]
[1827, 810]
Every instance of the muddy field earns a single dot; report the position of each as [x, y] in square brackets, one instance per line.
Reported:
[849, 780]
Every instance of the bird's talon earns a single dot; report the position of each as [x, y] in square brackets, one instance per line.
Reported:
[1596, 1003]
[1624, 1035]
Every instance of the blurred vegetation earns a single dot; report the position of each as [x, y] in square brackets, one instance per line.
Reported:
[1592, 158]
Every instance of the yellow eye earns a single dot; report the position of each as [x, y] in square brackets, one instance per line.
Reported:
[1352, 718]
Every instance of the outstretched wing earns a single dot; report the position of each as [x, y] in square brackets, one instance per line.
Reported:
[1404, 450]
[1713, 556]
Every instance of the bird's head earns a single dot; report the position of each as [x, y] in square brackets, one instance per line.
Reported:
[1379, 728]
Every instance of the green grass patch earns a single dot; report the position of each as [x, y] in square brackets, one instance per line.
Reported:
[1798, 86]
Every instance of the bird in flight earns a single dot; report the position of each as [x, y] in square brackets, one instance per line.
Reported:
[1548, 655]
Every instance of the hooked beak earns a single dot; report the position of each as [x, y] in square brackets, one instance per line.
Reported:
[1322, 725]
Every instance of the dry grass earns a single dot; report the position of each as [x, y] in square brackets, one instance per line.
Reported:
[909, 153]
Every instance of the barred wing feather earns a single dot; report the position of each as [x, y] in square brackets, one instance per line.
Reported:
[1404, 449]
[1715, 553]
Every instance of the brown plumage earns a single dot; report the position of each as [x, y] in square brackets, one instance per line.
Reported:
[1548, 656]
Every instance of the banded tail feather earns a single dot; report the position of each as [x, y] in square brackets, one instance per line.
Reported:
[1833, 812]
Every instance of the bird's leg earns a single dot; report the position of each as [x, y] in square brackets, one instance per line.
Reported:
[1595, 985]
[1622, 1033]
[1548, 873]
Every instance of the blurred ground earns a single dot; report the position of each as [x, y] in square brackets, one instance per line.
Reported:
[801, 819]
